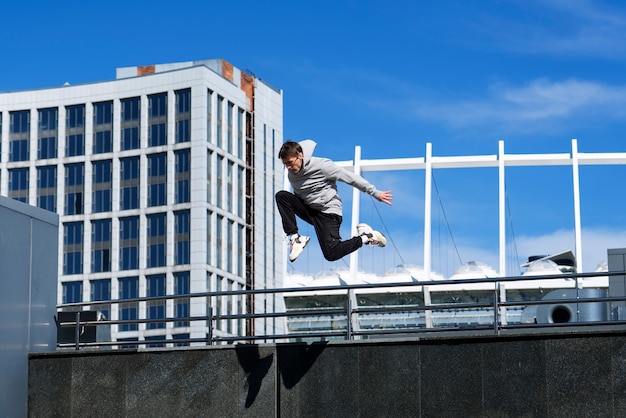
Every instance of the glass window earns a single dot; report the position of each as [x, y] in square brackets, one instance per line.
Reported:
[130, 123]
[240, 190]
[183, 115]
[219, 302]
[209, 240]
[19, 134]
[128, 289]
[219, 249]
[101, 290]
[47, 187]
[209, 182]
[160, 338]
[209, 111]
[102, 186]
[101, 245]
[73, 248]
[157, 240]
[74, 179]
[75, 130]
[241, 231]
[181, 306]
[230, 187]
[47, 133]
[129, 183]
[219, 180]
[181, 237]
[182, 176]
[102, 127]
[129, 243]
[230, 253]
[240, 131]
[229, 127]
[18, 184]
[72, 292]
[157, 119]
[157, 179]
[180, 337]
[155, 287]
[220, 122]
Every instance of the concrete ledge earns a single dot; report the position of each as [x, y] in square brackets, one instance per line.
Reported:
[581, 374]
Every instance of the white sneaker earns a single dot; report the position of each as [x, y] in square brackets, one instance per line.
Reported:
[373, 237]
[296, 245]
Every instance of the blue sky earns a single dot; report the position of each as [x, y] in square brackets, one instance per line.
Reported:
[391, 76]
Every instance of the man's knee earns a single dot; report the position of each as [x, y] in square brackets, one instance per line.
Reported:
[281, 195]
[329, 251]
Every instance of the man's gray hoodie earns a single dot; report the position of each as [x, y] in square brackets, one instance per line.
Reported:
[316, 182]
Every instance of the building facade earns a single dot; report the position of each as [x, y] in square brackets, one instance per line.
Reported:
[163, 179]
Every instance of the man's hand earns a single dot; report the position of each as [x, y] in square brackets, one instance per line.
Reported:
[386, 197]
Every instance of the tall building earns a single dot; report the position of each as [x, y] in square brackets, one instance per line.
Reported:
[163, 179]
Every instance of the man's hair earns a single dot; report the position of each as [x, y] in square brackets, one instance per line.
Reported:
[289, 149]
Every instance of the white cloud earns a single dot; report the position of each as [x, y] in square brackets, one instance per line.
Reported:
[538, 101]
[563, 27]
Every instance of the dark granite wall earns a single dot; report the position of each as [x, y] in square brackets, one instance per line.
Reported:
[571, 375]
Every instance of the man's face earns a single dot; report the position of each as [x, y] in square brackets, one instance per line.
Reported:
[293, 164]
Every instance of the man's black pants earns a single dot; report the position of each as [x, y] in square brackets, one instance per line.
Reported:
[326, 225]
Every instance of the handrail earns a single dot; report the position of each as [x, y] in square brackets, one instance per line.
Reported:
[350, 312]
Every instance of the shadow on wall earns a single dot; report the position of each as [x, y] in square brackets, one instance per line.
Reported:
[293, 365]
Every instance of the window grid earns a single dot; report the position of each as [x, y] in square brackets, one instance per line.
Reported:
[101, 290]
[183, 115]
[155, 287]
[74, 188]
[129, 243]
[157, 179]
[181, 306]
[73, 248]
[181, 237]
[19, 133]
[157, 119]
[130, 123]
[129, 183]
[18, 184]
[157, 240]
[102, 127]
[102, 186]
[75, 130]
[47, 187]
[47, 133]
[72, 292]
[182, 176]
[101, 245]
[128, 289]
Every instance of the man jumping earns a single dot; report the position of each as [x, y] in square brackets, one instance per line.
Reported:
[316, 201]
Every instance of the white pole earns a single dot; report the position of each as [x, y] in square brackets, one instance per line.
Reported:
[356, 199]
[502, 208]
[427, 210]
[427, 229]
[354, 256]
[577, 222]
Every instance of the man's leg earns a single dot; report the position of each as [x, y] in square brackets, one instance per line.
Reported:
[289, 205]
[327, 230]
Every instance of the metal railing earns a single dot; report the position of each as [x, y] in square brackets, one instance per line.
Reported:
[351, 313]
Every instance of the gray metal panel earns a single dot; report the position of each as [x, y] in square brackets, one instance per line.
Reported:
[616, 259]
[44, 284]
[28, 289]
